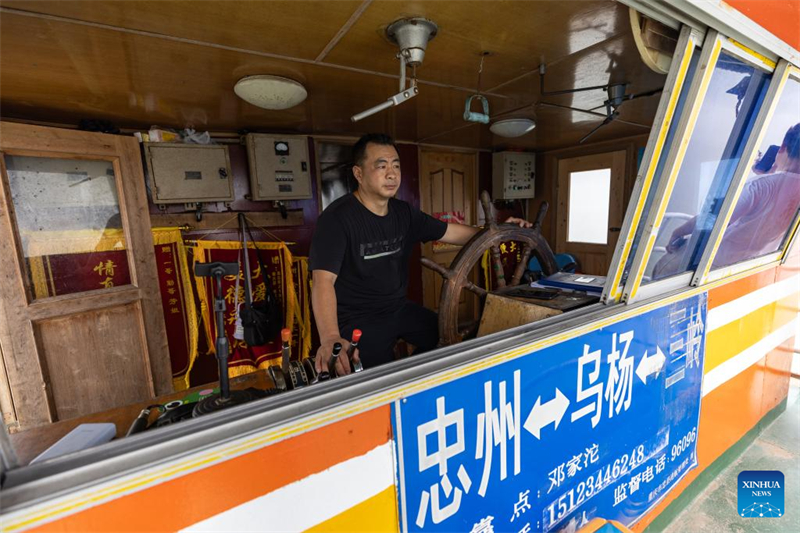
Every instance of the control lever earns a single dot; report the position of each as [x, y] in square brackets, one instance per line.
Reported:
[141, 422]
[354, 364]
[331, 372]
[291, 374]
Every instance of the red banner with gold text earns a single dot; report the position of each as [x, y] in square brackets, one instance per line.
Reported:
[278, 264]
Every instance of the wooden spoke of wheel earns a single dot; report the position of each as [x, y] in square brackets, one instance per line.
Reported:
[456, 277]
[491, 222]
[522, 265]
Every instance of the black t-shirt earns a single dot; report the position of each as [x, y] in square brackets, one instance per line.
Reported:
[369, 253]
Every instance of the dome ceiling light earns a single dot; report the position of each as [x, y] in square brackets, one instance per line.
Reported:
[270, 92]
[512, 127]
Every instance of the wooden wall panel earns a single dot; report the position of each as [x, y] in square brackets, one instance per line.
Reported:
[116, 375]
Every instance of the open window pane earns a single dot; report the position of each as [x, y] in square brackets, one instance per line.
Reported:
[589, 196]
[771, 196]
[723, 126]
[68, 219]
[659, 173]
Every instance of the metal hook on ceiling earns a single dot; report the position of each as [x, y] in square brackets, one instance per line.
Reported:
[473, 116]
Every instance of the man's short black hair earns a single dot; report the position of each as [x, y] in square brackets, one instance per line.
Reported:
[360, 148]
[792, 142]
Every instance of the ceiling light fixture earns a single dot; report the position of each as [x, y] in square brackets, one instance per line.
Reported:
[512, 127]
[270, 92]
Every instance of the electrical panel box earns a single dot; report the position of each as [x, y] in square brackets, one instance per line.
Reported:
[189, 173]
[513, 175]
[279, 167]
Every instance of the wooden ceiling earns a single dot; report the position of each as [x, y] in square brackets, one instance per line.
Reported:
[174, 64]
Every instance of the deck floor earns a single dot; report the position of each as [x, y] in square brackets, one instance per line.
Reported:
[777, 448]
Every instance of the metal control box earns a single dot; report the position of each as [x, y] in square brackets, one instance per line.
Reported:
[189, 173]
[513, 175]
[279, 167]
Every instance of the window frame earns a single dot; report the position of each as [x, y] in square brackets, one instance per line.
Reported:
[783, 72]
[714, 45]
[687, 46]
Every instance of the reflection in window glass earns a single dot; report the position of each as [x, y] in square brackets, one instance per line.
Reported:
[335, 163]
[661, 162]
[771, 196]
[68, 219]
[589, 195]
[723, 125]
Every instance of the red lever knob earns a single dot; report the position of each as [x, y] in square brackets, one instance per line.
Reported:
[286, 334]
[356, 335]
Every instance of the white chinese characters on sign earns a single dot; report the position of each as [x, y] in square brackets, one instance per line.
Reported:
[522, 505]
[620, 375]
[604, 374]
[497, 426]
[569, 468]
[443, 452]
[484, 525]
[694, 338]
[619, 387]
[596, 388]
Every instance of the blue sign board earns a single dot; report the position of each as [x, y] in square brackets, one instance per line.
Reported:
[602, 425]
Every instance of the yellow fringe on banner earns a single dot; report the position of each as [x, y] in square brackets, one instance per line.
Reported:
[163, 236]
[40, 287]
[200, 248]
[304, 323]
[485, 268]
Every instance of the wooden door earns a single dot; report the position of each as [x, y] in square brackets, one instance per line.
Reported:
[448, 192]
[590, 208]
[75, 344]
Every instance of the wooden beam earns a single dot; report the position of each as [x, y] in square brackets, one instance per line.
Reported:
[211, 221]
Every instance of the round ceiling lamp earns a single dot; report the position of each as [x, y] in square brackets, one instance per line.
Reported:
[270, 92]
[512, 127]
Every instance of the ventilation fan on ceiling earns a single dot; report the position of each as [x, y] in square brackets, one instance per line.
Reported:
[617, 95]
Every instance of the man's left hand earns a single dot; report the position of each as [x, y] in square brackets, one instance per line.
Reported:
[520, 222]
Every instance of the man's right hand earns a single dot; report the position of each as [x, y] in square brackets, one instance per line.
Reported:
[324, 354]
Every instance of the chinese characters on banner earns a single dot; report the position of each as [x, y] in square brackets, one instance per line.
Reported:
[599, 426]
[177, 301]
[277, 259]
[301, 332]
[510, 256]
[70, 273]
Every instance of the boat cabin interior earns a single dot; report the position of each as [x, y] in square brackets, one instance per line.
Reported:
[135, 134]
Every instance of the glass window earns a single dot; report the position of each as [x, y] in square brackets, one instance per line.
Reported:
[336, 174]
[726, 117]
[679, 106]
[68, 219]
[589, 195]
[769, 201]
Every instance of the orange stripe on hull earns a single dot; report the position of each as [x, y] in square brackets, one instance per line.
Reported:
[181, 502]
[731, 291]
[777, 370]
